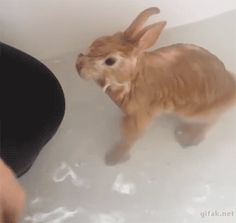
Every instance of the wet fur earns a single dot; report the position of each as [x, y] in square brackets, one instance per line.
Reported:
[183, 79]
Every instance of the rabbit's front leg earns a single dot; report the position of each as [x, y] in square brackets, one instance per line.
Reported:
[133, 127]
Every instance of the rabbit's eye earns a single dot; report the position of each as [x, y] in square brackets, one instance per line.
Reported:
[110, 61]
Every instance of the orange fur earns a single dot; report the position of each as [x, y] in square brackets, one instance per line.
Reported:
[183, 79]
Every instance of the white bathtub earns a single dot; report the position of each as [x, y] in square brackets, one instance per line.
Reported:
[162, 182]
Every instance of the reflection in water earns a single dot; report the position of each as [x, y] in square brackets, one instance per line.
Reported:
[108, 218]
[56, 216]
[64, 172]
[204, 197]
[123, 187]
[36, 201]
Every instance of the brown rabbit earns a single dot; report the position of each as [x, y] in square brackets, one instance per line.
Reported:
[183, 79]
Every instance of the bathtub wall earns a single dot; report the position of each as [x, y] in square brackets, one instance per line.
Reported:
[46, 28]
[217, 34]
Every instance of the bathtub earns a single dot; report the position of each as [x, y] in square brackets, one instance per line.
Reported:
[69, 181]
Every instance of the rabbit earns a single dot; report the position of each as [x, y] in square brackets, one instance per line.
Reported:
[181, 79]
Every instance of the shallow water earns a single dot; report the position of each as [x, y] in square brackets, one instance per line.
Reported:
[161, 183]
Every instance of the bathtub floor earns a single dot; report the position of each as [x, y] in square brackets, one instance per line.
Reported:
[161, 183]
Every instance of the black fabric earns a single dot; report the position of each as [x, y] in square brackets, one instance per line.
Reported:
[32, 107]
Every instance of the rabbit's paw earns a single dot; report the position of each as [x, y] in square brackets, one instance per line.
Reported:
[188, 136]
[116, 156]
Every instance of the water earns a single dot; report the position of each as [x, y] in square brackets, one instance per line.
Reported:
[162, 182]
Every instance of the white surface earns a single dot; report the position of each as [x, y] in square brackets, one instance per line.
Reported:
[69, 183]
[46, 28]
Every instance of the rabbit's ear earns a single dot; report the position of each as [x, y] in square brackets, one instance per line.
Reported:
[149, 35]
[139, 22]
